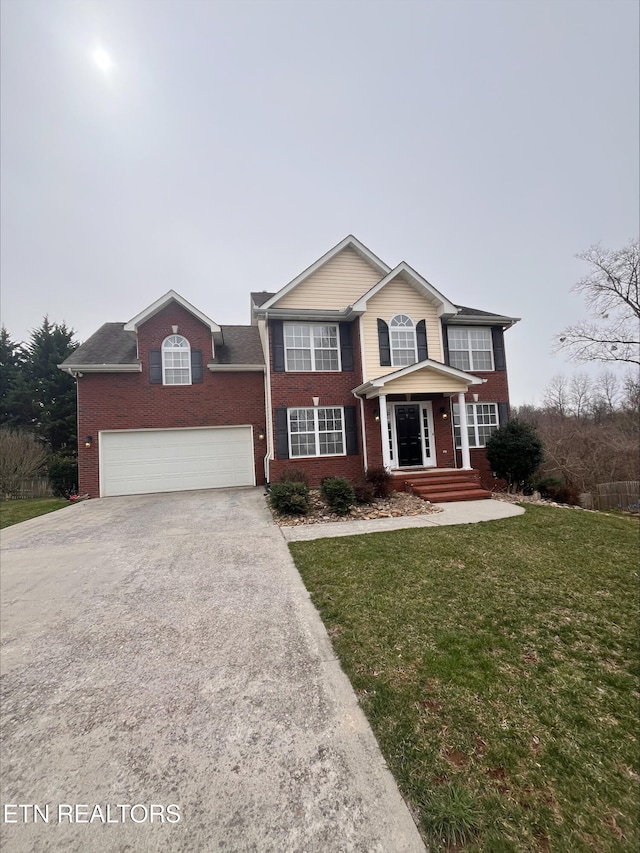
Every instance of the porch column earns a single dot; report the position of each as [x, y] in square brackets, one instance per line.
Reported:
[464, 434]
[384, 432]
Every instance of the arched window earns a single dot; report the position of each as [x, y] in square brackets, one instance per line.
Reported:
[176, 361]
[403, 341]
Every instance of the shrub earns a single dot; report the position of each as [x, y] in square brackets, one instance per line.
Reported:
[63, 475]
[556, 490]
[290, 498]
[294, 475]
[338, 493]
[514, 452]
[365, 493]
[380, 479]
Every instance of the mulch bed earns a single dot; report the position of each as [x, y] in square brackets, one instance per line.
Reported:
[396, 505]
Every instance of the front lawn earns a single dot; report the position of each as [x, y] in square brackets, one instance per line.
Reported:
[498, 666]
[11, 512]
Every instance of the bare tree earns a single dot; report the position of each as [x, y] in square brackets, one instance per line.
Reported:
[580, 395]
[21, 456]
[611, 292]
[556, 395]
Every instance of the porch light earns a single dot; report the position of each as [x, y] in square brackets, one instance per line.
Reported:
[376, 415]
[443, 412]
[88, 441]
[261, 434]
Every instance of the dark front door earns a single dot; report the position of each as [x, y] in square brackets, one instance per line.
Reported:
[408, 433]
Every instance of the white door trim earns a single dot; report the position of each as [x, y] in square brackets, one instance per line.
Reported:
[428, 461]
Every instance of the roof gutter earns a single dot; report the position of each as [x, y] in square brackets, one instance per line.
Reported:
[237, 368]
[79, 369]
[347, 313]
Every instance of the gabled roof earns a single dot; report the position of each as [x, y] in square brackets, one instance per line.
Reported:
[159, 304]
[349, 242]
[373, 386]
[420, 283]
[114, 349]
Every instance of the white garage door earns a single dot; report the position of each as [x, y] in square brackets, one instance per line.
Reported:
[138, 462]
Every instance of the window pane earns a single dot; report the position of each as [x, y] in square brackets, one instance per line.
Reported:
[301, 420]
[481, 360]
[303, 445]
[176, 377]
[459, 360]
[298, 359]
[297, 336]
[458, 338]
[326, 359]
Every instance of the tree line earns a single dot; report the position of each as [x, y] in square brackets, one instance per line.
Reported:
[38, 417]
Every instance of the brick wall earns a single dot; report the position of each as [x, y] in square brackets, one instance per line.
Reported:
[129, 401]
[290, 390]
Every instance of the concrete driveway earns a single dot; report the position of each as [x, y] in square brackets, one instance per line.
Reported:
[162, 651]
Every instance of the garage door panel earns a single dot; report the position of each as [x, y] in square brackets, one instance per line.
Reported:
[148, 461]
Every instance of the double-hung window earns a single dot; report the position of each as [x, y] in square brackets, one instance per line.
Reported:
[403, 341]
[470, 348]
[176, 361]
[482, 420]
[311, 347]
[316, 432]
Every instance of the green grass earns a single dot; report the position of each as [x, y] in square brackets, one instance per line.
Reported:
[12, 512]
[498, 666]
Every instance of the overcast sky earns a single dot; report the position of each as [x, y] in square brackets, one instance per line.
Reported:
[230, 144]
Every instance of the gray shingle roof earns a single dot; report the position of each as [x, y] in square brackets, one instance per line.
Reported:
[109, 345]
[242, 345]
[112, 345]
[260, 297]
[475, 312]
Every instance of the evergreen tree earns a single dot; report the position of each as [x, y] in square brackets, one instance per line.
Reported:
[15, 401]
[515, 452]
[53, 392]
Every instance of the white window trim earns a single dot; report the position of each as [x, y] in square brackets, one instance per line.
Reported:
[175, 349]
[316, 431]
[402, 328]
[472, 421]
[311, 326]
[469, 351]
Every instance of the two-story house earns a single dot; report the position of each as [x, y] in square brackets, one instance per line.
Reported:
[351, 365]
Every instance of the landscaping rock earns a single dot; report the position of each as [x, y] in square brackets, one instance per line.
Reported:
[394, 506]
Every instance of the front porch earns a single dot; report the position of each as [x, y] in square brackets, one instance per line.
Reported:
[413, 436]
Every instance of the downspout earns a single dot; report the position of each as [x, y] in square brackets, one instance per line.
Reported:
[267, 400]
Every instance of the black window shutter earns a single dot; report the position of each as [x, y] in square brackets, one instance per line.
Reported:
[499, 361]
[277, 343]
[503, 414]
[421, 338]
[282, 432]
[351, 430]
[445, 343]
[346, 347]
[196, 365]
[155, 367]
[383, 344]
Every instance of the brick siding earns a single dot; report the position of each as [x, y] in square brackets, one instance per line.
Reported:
[129, 401]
